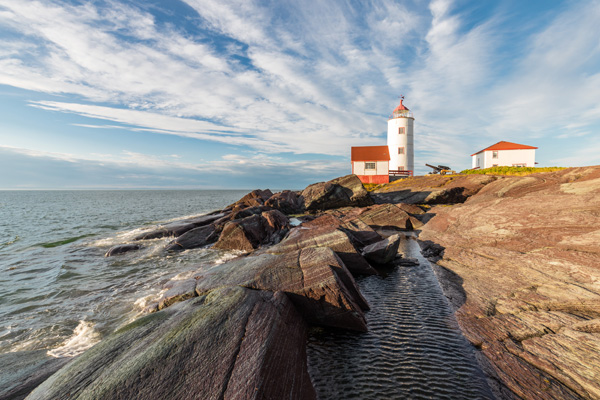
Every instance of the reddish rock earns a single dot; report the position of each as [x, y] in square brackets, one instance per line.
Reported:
[287, 202]
[245, 234]
[519, 261]
[315, 279]
[255, 198]
[386, 216]
[302, 237]
[241, 211]
[340, 192]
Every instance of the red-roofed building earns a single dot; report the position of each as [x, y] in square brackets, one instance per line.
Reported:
[505, 154]
[371, 163]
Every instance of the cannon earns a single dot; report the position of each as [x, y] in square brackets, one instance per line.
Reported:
[441, 169]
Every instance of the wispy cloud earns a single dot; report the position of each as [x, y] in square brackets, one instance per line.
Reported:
[310, 77]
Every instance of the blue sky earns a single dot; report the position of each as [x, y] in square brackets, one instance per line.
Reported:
[247, 94]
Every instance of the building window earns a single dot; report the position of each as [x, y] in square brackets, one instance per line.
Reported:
[494, 165]
[400, 150]
[400, 168]
[369, 165]
[494, 154]
[400, 131]
[519, 165]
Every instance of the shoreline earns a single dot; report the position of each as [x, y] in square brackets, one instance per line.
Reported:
[303, 276]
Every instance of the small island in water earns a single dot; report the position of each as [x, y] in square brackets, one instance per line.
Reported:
[515, 256]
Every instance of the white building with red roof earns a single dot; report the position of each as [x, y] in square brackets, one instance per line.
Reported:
[371, 163]
[504, 154]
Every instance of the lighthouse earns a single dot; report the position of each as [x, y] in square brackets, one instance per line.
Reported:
[400, 139]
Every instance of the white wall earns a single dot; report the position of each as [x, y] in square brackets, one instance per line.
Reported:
[406, 140]
[505, 158]
[381, 168]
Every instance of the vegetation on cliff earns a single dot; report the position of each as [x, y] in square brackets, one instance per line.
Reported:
[512, 171]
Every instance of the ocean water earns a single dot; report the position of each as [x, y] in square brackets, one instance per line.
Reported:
[57, 290]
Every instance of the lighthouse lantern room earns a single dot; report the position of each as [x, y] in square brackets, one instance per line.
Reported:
[400, 140]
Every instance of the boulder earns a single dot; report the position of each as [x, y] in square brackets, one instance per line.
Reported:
[245, 234]
[195, 238]
[315, 279]
[230, 343]
[383, 252]
[360, 233]
[122, 248]
[302, 237]
[340, 192]
[255, 198]
[287, 202]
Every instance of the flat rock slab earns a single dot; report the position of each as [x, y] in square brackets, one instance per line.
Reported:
[315, 279]
[325, 236]
[231, 343]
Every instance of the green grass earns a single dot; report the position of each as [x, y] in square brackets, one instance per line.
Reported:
[517, 171]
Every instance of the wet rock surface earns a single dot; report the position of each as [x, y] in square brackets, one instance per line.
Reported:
[519, 261]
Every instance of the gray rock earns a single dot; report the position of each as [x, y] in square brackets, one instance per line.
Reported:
[195, 238]
[383, 252]
[122, 248]
[231, 343]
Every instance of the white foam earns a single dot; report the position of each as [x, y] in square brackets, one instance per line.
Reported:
[84, 337]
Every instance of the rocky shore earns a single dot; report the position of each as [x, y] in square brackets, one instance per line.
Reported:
[516, 256]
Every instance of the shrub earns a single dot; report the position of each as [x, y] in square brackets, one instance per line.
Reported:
[518, 171]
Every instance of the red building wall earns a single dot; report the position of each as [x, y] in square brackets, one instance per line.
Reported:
[374, 178]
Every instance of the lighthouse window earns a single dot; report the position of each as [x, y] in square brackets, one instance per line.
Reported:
[400, 131]
[369, 165]
[400, 150]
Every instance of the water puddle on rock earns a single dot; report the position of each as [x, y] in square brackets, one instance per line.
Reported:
[413, 350]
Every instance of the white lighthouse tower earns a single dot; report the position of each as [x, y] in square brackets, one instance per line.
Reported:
[400, 139]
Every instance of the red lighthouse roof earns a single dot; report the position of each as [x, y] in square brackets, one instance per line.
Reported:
[401, 107]
[506, 146]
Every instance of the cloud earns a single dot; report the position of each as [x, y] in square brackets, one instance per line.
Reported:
[311, 77]
[129, 169]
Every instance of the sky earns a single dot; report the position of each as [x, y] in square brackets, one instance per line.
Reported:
[215, 94]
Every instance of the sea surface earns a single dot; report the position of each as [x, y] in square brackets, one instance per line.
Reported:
[57, 290]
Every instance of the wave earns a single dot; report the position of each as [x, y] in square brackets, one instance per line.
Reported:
[63, 242]
[16, 239]
[84, 336]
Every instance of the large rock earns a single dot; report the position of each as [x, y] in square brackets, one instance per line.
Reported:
[383, 252]
[286, 201]
[244, 235]
[23, 371]
[385, 216]
[315, 279]
[359, 231]
[197, 237]
[519, 261]
[340, 192]
[231, 343]
[255, 198]
[326, 236]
